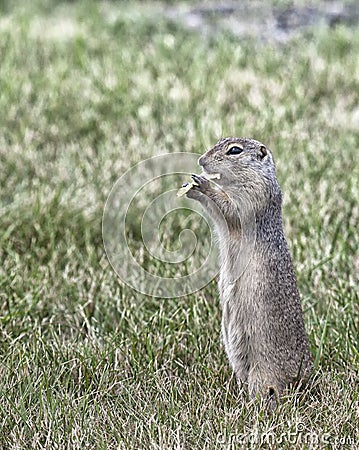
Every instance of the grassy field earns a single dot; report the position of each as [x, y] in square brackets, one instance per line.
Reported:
[86, 91]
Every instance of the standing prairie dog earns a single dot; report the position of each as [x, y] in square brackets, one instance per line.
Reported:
[262, 323]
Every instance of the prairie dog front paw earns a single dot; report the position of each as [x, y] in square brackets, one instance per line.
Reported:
[200, 185]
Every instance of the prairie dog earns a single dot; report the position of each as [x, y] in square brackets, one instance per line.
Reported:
[262, 322]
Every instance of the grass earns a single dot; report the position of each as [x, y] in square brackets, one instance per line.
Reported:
[90, 89]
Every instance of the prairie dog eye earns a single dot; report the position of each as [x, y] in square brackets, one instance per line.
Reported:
[235, 150]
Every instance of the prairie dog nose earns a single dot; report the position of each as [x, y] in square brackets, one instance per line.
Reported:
[201, 160]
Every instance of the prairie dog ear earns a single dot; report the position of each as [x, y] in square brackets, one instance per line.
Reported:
[263, 151]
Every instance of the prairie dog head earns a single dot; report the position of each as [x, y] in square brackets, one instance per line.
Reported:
[246, 167]
[238, 160]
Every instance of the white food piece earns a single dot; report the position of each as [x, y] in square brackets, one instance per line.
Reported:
[181, 192]
[211, 176]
